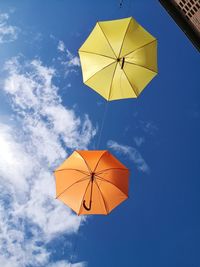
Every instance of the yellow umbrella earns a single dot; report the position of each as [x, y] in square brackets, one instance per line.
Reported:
[118, 59]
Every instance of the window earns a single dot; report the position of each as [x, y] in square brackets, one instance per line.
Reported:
[195, 8]
[184, 10]
[189, 7]
[181, 4]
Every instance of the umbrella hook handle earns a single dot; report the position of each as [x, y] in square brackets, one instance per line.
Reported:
[87, 208]
[84, 202]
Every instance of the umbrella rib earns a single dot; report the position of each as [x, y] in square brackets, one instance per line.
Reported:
[99, 160]
[106, 39]
[104, 180]
[71, 169]
[140, 47]
[122, 169]
[141, 66]
[84, 196]
[81, 180]
[99, 71]
[124, 37]
[84, 161]
[104, 201]
[81, 51]
[112, 82]
[134, 90]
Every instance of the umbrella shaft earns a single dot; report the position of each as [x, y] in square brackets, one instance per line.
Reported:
[123, 60]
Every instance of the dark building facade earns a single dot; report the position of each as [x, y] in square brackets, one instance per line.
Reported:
[186, 14]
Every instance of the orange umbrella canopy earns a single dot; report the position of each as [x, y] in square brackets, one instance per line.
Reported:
[92, 182]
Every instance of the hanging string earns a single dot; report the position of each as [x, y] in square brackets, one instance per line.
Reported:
[121, 3]
[75, 242]
[126, 6]
[102, 124]
[130, 8]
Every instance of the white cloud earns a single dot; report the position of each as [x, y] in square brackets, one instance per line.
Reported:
[69, 61]
[139, 140]
[148, 127]
[8, 33]
[61, 46]
[30, 217]
[34, 92]
[20, 162]
[132, 154]
[73, 60]
[67, 264]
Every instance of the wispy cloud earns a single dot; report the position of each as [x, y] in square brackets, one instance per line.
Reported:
[73, 60]
[139, 140]
[132, 153]
[67, 59]
[61, 46]
[148, 127]
[66, 264]
[30, 217]
[8, 33]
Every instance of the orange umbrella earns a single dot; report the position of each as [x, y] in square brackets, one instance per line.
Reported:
[92, 182]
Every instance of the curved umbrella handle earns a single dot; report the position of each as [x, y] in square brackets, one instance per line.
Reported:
[87, 208]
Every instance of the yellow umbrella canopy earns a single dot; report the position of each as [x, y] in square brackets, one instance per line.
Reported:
[118, 59]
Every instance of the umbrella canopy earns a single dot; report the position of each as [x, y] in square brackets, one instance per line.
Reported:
[118, 59]
[92, 182]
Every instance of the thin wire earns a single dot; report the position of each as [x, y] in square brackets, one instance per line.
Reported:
[129, 9]
[75, 242]
[126, 6]
[98, 144]
[102, 124]
[121, 3]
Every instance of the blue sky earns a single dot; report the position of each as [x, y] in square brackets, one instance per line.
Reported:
[46, 112]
